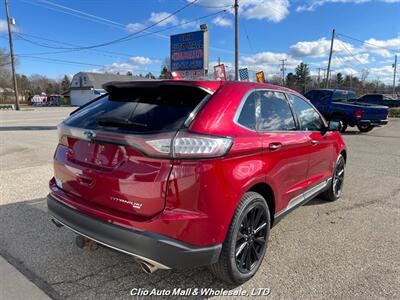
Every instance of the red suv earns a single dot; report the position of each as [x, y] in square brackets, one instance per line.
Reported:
[192, 173]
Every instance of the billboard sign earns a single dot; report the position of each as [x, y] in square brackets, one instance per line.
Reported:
[189, 52]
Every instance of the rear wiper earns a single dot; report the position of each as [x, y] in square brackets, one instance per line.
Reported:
[113, 121]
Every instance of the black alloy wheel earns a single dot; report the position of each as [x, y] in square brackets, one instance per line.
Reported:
[246, 240]
[251, 239]
[338, 177]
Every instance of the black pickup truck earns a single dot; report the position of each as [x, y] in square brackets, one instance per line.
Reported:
[379, 99]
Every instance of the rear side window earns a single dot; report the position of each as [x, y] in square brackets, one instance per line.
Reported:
[247, 116]
[275, 113]
[140, 109]
[309, 119]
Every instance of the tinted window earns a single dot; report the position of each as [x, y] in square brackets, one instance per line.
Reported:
[247, 116]
[310, 95]
[339, 96]
[139, 110]
[309, 119]
[275, 113]
[324, 95]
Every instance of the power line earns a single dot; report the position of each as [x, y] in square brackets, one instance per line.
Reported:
[129, 36]
[348, 50]
[364, 42]
[211, 6]
[78, 48]
[83, 15]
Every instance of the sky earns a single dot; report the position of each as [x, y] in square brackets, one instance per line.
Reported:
[47, 33]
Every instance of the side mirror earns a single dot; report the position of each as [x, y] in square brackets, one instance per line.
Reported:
[334, 125]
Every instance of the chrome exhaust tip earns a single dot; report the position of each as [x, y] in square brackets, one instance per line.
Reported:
[147, 267]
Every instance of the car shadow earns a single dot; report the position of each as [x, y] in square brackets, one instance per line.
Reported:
[27, 128]
[48, 256]
[351, 133]
[316, 201]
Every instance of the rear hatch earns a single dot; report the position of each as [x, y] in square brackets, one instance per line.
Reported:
[104, 155]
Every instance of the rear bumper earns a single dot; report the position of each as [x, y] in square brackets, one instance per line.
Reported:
[373, 122]
[159, 250]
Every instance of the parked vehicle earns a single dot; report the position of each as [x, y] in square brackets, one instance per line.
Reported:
[379, 99]
[192, 173]
[341, 105]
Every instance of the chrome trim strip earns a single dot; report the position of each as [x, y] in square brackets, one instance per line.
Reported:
[158, 265]
[307, 195]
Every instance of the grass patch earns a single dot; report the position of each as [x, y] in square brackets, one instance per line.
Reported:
[394, 112]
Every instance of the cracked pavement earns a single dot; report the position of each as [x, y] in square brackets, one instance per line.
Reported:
[347, 249]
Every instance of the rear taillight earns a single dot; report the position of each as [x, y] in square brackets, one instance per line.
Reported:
[358, 114]
[190, 145]
[162, 145]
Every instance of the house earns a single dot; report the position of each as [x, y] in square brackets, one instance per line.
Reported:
[86, 86]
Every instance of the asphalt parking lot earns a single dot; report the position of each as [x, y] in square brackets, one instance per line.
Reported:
[344, 250]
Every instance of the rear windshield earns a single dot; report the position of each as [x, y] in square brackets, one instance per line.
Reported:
[140, 109]
[343, 96]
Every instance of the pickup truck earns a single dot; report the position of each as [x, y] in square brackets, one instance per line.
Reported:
[379, 99]
[342, 106]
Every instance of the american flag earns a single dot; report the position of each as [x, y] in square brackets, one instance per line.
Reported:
[244, 74]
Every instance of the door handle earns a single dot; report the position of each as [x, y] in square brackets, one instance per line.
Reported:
[275, 146]
[314, 142]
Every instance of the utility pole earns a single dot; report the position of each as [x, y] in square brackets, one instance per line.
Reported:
[12, 57]
[319, 77]
[394, 75]
[351, 80]
[330, 58]
[283, 71]
[236, 6]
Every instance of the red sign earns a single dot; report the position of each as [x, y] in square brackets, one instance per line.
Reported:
[260, 77]
[219, 72]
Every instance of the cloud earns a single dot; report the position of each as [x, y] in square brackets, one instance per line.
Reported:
[271, 10]
[311, 5]
[357, 59]
[4, 28]
[221, 21]
[156, 17]
[385, 72]
[133, 27]
[319, 48]
[378, 46]
[141, 60]
[265, 58]
[114, 68]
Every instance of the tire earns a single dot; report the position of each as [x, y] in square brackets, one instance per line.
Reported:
[365, 128]
[340, 119]
[234, 266]
[335, 189]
